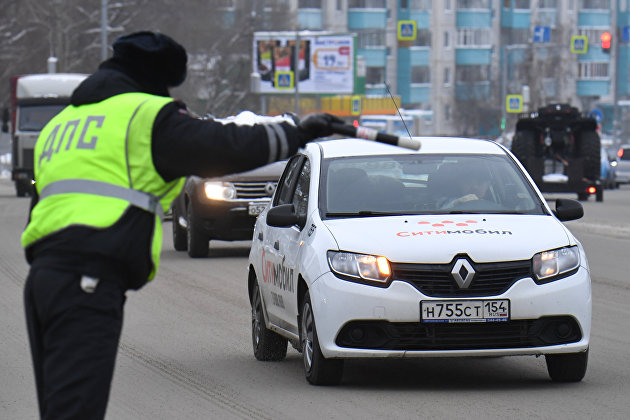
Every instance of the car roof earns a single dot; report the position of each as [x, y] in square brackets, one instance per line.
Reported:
[358, 147]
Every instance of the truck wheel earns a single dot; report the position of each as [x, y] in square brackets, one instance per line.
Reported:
[317, 369]
[180, 237]
[198, 245]
[567, 367]
[589, 150]
[524, 146]
[268, 345]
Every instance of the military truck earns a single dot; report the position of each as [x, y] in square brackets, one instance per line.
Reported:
[560, 148]
[35, 99]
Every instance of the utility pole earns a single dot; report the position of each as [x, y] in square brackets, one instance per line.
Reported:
[104, 25]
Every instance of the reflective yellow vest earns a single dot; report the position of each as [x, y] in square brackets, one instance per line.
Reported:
[94, 161]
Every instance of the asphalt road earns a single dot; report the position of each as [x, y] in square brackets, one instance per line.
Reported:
[186, 349]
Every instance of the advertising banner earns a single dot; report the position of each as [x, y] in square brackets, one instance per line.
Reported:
[325, 64]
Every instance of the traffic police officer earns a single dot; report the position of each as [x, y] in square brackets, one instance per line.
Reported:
[107, 168]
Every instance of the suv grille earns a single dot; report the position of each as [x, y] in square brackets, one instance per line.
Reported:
[435, 280]
[250, 190]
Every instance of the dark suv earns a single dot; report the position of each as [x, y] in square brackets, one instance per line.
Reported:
[222, 208]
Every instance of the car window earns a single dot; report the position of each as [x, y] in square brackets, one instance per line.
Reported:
[425, 184]
[287, 181]
[300, 197]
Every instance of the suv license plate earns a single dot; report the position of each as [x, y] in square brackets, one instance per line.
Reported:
[495, 310]
[254, 209]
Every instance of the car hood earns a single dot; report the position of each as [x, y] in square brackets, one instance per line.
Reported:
[438, 238]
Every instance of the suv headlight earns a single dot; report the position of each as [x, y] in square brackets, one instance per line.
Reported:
[360, 268]
[555, 264]
[219, 190]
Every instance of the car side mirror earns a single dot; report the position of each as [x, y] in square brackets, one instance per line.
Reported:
[284, 215]
[568, 209]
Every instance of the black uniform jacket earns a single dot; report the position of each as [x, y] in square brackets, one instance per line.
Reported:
[181, 145]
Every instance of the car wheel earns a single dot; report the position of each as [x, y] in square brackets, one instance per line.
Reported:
[318, 369]
[267, 344]
[567, 367]
[198, 245]
[180, 237]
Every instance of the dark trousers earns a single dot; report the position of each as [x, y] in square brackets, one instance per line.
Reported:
[74, 338]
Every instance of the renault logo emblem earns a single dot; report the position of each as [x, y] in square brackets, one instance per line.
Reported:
[463, 273]
[270, 188]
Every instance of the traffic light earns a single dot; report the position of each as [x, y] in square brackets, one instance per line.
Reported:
[606, 41]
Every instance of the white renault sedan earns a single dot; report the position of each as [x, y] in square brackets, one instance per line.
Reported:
[369, 250]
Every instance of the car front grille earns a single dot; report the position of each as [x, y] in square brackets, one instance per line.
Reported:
[436, 280]
[252, 190]
[525, 333]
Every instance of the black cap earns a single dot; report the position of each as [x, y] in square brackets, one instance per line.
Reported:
[154, 60]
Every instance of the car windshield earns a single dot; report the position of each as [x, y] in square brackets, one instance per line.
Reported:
[424, 184]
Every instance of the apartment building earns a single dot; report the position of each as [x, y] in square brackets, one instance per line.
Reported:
[468, 55]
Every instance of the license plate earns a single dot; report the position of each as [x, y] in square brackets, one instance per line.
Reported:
[254, 209]
[494, 310]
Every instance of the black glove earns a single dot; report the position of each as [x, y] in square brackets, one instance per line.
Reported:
[317, 125]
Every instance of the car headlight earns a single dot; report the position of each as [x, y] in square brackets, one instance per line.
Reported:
[219, 190]
[555, 264]
[361, 268]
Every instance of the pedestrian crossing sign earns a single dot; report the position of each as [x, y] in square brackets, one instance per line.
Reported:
[284, 80]
[407, 30]
[514, 103]
[579, 44]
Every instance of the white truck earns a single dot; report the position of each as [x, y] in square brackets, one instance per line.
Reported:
[35, 99]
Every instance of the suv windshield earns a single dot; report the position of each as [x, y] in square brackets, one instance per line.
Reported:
[428, 184]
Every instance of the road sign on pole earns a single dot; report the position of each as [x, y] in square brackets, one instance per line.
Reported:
[284, 80]
[514, 103]
[579, 44]
[407, 30]
[542, 34]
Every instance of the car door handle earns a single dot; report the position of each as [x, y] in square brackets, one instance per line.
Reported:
[276, 245]
[260, 236]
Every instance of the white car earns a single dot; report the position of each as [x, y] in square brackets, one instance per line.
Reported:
[371, 251]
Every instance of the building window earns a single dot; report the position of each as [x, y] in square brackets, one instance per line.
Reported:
[423, 38]
[309, 4]
[370, 38]
[447, 76]
[420, 74]
[225, 5]
[366, 4]
[447, 5]
[522, 4]
[447, 42]
[472, 74]
[547, 4]
[593, 71]
[474, 37]
[420, 4]
[595, 4]
[447, 112]
[472, 4]
[374, 75]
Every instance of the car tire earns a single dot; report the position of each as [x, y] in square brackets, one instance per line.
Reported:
[524, 147]
[567, 367]
[180, 236]
[198, 242]
[590, 151]
[268, 345]
[317, 369]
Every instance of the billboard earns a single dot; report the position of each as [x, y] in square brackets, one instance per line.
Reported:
[325, 64]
